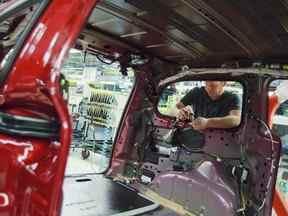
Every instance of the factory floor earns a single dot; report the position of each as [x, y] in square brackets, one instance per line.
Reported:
[96, 195]
[90, 194]
[76, 165]
[81, 185]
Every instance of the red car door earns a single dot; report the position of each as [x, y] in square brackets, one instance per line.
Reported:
[35, 126]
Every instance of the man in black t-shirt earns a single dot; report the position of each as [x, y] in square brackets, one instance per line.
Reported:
[212, 107]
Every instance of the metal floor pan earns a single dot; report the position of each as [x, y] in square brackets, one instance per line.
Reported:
[95, 195]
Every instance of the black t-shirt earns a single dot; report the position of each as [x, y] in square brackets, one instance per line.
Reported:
[204, 106]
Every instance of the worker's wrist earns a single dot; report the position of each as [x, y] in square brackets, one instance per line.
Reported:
[210, 123]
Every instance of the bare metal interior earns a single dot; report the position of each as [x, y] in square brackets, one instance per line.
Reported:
[194, 32]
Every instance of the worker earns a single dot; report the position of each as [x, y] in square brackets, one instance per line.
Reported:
[211, 105]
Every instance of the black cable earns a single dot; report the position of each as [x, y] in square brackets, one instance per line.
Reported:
[272, 159]
[103, 61]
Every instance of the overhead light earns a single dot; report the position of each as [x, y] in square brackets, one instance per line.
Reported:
[156, 45]
[103, 22]
[74, 51]
[133, 34]
[142, 13]
[174, 56]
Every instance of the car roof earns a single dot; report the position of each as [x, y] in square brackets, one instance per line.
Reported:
[192, 32]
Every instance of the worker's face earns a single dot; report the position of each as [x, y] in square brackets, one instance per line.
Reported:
[215, 88]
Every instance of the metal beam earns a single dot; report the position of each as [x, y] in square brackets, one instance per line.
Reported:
[95, 32]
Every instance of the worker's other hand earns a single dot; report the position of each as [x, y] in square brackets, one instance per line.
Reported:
[185, 113]
[200, 123]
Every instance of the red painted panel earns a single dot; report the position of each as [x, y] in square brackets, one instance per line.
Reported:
[32, 170]
[278, 203]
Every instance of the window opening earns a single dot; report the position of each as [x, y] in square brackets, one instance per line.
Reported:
[97, 96]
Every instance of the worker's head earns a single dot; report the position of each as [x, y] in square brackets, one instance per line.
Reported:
[215, 88]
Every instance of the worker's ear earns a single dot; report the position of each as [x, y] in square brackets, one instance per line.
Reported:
[224, 83]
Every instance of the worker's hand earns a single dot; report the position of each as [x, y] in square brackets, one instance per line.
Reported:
[185, 113]
[200, 123]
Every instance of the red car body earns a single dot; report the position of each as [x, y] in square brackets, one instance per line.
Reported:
[35, 74]
[32, 169]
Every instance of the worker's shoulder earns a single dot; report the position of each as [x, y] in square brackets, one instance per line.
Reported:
[198, 90]
[231, 95]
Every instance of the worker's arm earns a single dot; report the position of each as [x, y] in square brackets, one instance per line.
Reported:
[184, 106]
[229, 121]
